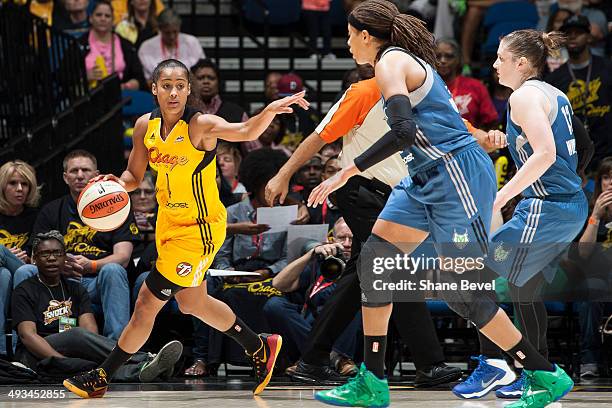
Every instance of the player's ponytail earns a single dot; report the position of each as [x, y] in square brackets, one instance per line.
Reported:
[553, 40]
[534, 45]
[382, 19]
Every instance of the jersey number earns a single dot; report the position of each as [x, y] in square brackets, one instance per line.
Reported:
[568, 118]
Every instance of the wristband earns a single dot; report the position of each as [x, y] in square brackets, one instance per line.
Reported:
[94, 266]
[593, 221]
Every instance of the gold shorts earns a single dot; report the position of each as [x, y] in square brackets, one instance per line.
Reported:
[185, 252]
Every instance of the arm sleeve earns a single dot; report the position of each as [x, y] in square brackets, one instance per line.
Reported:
[584, 146]
[402, 133]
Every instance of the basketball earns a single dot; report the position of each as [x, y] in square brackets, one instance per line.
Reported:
[104, 205]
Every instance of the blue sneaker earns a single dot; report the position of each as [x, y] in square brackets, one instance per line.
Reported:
[490, 375]
[514, 390]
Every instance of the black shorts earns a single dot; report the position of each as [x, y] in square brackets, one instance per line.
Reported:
[161, 287]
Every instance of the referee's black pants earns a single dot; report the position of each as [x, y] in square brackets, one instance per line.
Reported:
[360, 202]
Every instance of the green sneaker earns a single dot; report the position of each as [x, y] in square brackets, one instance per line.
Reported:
[363, 390]
[543, 388]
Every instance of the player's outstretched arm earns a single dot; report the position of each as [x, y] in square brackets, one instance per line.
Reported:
[137, 163]
[215, 127]
[529, 110]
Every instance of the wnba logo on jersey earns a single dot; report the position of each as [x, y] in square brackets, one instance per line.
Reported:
[171, 161]
[183, 269]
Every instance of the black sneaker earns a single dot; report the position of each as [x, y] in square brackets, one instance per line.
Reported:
[264, 360]
[92, 384]
[315, 374]
[436, 375]
[162, 363]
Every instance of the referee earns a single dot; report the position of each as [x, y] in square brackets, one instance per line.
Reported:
[359, 119]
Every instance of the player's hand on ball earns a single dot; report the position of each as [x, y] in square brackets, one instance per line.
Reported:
[107, 177]
[284, 105]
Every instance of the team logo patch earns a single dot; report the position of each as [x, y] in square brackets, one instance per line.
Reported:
[183, 269]
[501, 253]
[460, 240]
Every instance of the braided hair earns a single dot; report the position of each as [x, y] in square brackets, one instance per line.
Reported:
[47, 236]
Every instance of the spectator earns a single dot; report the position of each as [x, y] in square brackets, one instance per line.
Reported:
[258, 252]
[144, 206]
[330, 150]
[271, 137]
[328, 213]
[19, 197]
[108, 53]
[598, 23]
[53, 317]
[318, 19]
[271, 86]
[301, 122]
[470, 95]
[76, 22]
[308, 177]
[306, 289]
[586, 79]
[208, 86]
[470, 24]
[140, 23]
[559, 56]
[229, 160]
[594, 250]
[169, 43]
[121, 9]
[226, 195]
[97, 258]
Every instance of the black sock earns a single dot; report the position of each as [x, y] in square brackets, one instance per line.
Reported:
[115, 359]
[244, 336]
[374, 354]
[528, 356]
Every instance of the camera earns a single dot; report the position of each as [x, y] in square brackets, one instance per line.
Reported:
[332, 266]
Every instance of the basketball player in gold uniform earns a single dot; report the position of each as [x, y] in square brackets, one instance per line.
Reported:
[180, 143]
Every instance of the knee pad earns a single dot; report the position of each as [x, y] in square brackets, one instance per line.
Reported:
[373, 275]
[477, 307]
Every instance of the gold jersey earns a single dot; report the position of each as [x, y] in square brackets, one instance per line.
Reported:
[188, 199]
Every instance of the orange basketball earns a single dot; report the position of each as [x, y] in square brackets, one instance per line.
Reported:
[104, 205]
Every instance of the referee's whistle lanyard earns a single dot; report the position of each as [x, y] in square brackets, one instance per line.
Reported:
[584, 96]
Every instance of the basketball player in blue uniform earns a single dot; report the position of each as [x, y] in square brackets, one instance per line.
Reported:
[540, 135]
[449, 195]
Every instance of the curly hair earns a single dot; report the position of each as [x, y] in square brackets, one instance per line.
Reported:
[47, 236]
[258, 167]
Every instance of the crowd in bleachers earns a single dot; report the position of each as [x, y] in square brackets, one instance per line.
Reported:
[103, 271]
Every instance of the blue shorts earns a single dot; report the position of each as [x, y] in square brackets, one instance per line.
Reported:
[538, 233]
[453, 201]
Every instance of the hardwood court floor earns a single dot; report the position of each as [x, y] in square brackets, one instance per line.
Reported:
[236, 393]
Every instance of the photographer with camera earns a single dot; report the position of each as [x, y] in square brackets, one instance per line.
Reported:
[307, 283]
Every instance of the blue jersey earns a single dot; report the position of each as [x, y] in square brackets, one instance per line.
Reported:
[440, 129]
[561, 177]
